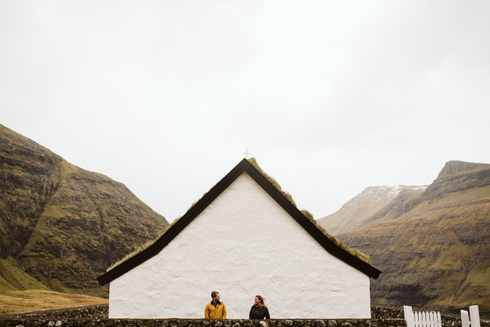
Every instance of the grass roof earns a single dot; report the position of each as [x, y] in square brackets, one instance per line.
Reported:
[307, 214]
[288, 196]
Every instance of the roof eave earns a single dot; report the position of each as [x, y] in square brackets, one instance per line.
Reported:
[208, 198]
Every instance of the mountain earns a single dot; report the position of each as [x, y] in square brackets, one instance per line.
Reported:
[433, 249]
[60, 225]
[357, 212]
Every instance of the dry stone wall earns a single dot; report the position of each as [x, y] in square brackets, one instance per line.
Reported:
[387, 313]
[200, 323]
[89, 312]
[96, 316]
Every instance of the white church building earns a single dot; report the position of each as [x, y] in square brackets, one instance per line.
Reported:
[243, 238]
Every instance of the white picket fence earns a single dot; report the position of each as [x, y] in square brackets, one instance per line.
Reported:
[433, 319]
[475, 317]
[422, 318]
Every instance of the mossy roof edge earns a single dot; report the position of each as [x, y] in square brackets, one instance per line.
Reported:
[328, 242]
[308, 215]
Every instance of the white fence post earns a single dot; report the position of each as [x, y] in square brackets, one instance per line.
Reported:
[408, 313]
[465, 321]
[422, 319]
[474, 316]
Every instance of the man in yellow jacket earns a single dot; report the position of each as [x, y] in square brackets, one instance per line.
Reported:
[215, 309]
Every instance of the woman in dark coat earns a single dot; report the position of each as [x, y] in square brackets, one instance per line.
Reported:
[259, 310]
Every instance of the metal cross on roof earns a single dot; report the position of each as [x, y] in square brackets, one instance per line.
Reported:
[246, 153]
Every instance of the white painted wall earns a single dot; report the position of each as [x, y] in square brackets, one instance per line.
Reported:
[242, 245]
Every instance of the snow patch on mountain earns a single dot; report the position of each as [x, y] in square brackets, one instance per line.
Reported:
[378, 194]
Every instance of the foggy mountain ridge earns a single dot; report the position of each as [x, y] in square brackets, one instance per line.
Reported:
[354, 212]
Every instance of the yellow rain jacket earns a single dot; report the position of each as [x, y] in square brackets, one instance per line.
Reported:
[215, 311]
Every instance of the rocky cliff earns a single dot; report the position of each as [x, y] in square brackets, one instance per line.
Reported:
[359, 210]
[434, 248]
[61, 224]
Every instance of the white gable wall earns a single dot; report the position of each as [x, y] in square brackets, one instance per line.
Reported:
[242, 245]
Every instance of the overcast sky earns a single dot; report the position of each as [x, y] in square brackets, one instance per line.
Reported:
[331, 97]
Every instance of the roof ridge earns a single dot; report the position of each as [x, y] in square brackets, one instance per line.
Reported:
[307, 214]
[327, 241]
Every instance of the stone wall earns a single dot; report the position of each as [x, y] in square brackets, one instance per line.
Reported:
[387, 312]
[89, 312]
[95, 316]
[200, 323]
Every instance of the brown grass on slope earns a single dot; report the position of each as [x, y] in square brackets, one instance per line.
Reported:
[38, 300]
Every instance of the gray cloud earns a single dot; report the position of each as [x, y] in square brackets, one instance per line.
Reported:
[330, 97]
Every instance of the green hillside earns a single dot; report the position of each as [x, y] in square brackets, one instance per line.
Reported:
[435, 253]
[13, 278]
[62, 226]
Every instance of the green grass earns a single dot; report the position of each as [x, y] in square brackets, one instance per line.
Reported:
[288, 196]
[437, 242]
[307, 214]
[450, 258]
[14, 278]
[135, 252]
[65, 242]
[66, 169]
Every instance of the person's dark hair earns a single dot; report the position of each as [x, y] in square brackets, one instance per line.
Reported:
[262, 301]
[213, 294]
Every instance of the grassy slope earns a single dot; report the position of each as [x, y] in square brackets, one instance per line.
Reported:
[13, 278]
[60, 227]
[63, 225]
[20, 292]
[436, 255]
[39, 300]
[358, 211]
[394, 208]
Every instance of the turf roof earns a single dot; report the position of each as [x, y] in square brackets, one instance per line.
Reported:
[250, 166]
[307, 214]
